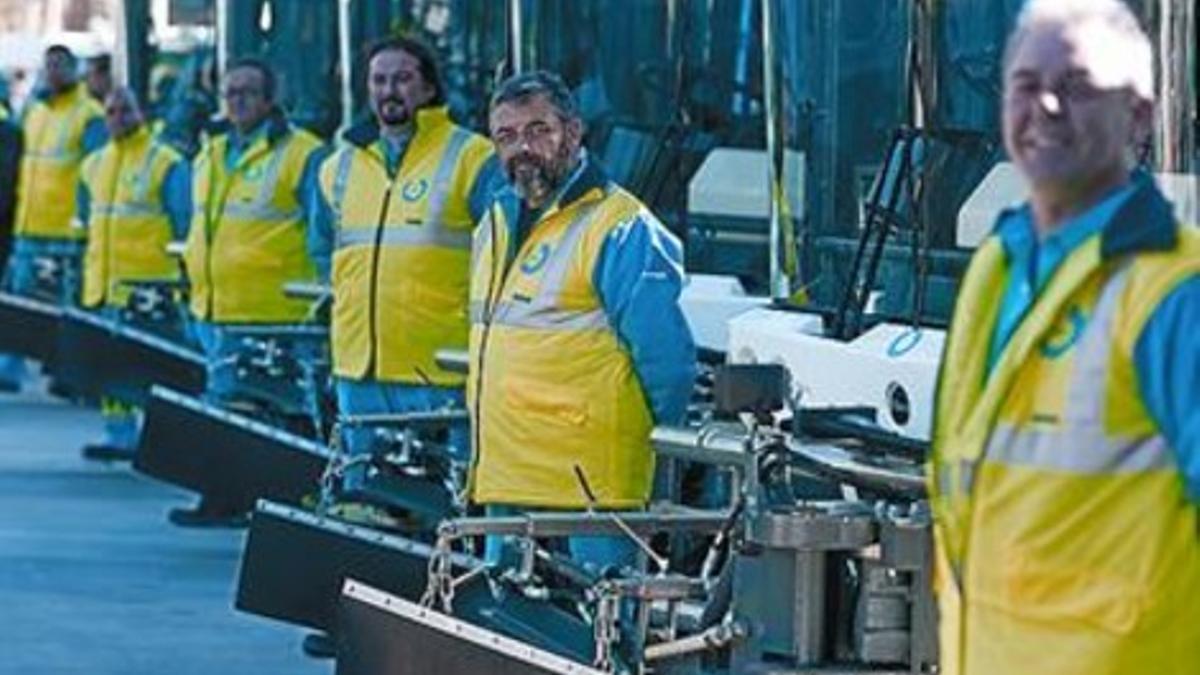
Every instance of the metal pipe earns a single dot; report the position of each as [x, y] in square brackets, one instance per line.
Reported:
[724, 446]
[306, 290]
[710, 445]
[346, 56]
[714, 638]
[921, 68]
[121, 51]
[775, 120]
[1174, 24]
[224, 35]
[420, 417]
[552, 524]
[516, 36]
[452, 360]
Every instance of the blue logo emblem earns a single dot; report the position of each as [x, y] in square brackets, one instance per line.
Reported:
[414, 190]
[1065, 335]
[536, 260]
[904, 343]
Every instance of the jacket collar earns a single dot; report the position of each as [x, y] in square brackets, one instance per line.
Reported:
[366, 133]
[137, 137]
[591, 183]
[1145, 222]
[591, 177]
[70, 94]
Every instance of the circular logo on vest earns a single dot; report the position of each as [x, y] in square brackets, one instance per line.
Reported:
[414, 189]
[1066, 333]
[253, 173]
[536, 260]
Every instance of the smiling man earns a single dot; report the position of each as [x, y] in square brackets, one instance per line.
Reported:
[250, 188]
[392, 231]
[578, 344]
[134, 197]
[1066, 468]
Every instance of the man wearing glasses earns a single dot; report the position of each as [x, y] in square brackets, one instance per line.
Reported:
[250, 189]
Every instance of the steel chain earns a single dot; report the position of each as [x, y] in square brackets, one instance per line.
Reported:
[440, 585]
[608, 605]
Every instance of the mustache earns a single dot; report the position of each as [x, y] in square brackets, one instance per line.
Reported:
[526, 159]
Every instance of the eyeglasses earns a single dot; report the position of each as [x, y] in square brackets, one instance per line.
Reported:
[1070, 90]
[535, 133]
[241, 92]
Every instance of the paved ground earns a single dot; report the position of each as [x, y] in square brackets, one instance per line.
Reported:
[94, 580]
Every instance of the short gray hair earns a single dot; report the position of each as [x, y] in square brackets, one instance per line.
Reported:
[524, 86]
[1122, 51]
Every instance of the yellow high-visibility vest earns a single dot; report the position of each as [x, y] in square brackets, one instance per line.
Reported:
[247, 237]
[53, 131]
[400, 268]
[1066, 544]
[128, 226]
[551, 387]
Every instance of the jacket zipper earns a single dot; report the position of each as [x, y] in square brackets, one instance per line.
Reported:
[373, 317]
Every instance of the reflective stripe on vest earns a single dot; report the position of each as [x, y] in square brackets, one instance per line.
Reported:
[137, 205]
[260, 209]
[118, 210]
[405, 235]
[60, 152]
[1079, 444]
[543, 312]
[432, 232]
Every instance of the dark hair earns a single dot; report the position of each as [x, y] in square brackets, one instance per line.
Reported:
[102, 62]
[417, 48]
[268, 73]
[524, 86]
[61, 50]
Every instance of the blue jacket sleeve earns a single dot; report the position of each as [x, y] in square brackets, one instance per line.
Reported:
[177, 198]
[317, 214]
[1167, 359]
[488, 181]
[95, 134]
[320, 233]
[309, 178]
[639, 276]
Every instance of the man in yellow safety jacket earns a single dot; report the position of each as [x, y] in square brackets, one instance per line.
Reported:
[251, 188]
[1065, 478]
[578, 345]
[134, 197]
[392, 231]
[60, 127]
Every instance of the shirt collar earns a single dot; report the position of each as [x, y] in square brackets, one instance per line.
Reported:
[240, 142]
[1018, 234]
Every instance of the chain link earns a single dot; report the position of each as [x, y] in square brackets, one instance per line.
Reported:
[608, 606]
[440, 585]
[335, 469]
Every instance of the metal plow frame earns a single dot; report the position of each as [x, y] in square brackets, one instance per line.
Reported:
[97, 356]
[387, 635]
[30, 327]
[295, 562]
[228, 456]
